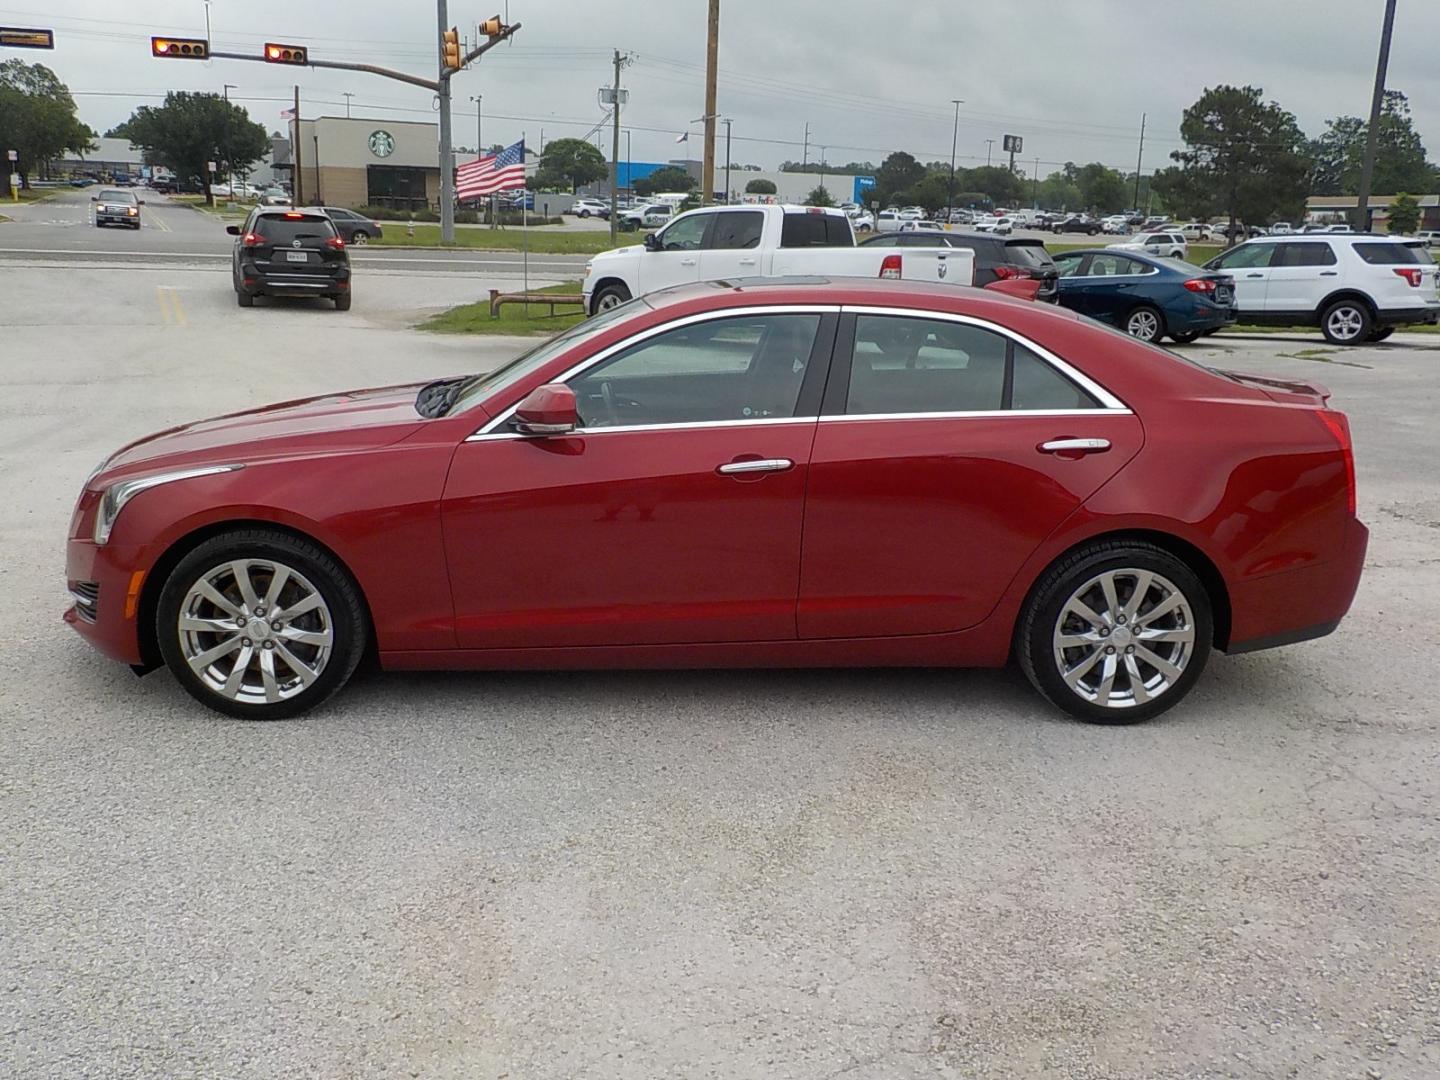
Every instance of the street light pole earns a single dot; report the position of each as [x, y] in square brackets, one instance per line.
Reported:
[347, 95]
[954, 141]
[479, 100]
[989, 146]
[822, 169]
[1372, 133]
[728, 199]
[229, 168]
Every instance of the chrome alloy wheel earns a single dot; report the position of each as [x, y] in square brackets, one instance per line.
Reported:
[1124, 638]
[255, 631]
[608, 301]
[1143, 324]
[1345, 323]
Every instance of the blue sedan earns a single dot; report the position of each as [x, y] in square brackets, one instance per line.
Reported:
[1146, 296]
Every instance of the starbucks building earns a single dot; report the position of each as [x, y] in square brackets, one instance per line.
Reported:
[356, 162]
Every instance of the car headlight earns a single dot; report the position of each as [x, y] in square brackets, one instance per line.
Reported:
[118, 494]
[132, 211]
[587, 270]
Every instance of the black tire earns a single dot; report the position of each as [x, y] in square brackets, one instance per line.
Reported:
[583, 214]
[1353, 316]
[244, 299]
[1380, 333]
[1145, 323]
[1186, 338]
[1093, 232]
[342, 301]
[608, 297]
[360, 238]
[1043, 615]
[349, 625]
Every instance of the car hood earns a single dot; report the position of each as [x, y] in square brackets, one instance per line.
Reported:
[357, 419]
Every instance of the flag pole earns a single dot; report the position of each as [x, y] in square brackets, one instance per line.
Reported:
[525, 219]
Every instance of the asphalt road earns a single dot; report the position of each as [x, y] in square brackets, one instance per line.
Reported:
[62, 229]
[865, 874]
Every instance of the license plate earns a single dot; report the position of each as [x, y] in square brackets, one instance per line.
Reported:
[297, 256]
[1223, 295]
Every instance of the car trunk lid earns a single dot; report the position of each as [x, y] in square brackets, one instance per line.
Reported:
[1284, 391]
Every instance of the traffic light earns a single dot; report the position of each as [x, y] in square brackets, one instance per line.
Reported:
[450, 48]
[492, 27]
[180, 48]
[284, 54]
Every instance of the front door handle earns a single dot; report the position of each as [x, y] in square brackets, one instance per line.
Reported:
[747, 262]
[1329, 273]
[687, 262]
[1075, 446]
[1254, 275]
[756, 465]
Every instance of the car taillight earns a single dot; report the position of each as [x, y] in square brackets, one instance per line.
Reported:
[1204, 285]
[1413, 274]
[251, 240]
[1005, 273]
[890, 267]
[335, 243]
[1337, 424]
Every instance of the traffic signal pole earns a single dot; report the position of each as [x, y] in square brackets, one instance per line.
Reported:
[447, 162]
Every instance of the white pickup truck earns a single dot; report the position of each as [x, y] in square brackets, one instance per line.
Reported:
[729, 242]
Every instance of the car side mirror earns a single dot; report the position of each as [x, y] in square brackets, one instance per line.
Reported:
[652, 242]
[140, 201]
[94, 198]
[547, 410]
[233, 230]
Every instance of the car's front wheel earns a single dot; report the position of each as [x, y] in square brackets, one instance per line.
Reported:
[583, 214]
[1145, 323]
[611, 296]
[1116, 633]
[261, 625]
[1346, 322]
[1186, 338]
[360, 238]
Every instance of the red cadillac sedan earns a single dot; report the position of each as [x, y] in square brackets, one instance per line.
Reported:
[777, 473]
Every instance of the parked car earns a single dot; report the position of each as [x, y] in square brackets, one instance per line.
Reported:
[275, 196]
[861, 221]
[887, 221]
[1146, 296]
[1004, 226]
[1429, 237]
[1193, 230]
[1241, 231]
[116, 206]
[930, 228]
[354, 228]
[584, 208]
[729, 242]
[82, 182]
[695, 481]
[996, 260]
[1282, 228]
[912, 213]
[646, 216]
[1357, 288]
[1077, 223]
[1171, 245]
[1339, 229]
[280, 252]
[1115, 225]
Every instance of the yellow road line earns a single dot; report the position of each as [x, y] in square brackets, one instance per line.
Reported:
[171, 311]
[160, 299]
[160, 223]
[179, 308]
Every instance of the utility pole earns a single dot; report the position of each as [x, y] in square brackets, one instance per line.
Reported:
[989, 145]
[1140, 157]
[805, 155]
[229, 169]
[1372, 133]
[615, 150]
[447, 163]
[1035, 186]
[347, 95]
[728, 199]
[954, 140]
[822, 169]
[479, 99]
[295, 187]
[712, 57]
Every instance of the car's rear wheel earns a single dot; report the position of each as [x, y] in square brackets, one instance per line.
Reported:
[1381, 333]
[244, 299]
[1116, 633]
[1186, 338]
[583, 214]
[1145, 323]
[342, 301]
[1346, 322]
[611, 296]
[260, 625]
[360, 238]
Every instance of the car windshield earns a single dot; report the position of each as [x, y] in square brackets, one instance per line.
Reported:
[111, 195]
[478, 387]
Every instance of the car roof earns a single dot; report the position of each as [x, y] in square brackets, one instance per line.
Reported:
[955, 299]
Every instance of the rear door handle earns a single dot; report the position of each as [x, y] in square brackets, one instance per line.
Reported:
[1329, 273]
[747, 262]
[687, 262]
[758, 465]
[1075, 446]
[1254, 275]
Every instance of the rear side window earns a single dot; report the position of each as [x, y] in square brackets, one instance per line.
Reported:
[1305, 255]
[1389, 254]
[284, 230]
[739, 230]
[1028, 253]
[816, 230]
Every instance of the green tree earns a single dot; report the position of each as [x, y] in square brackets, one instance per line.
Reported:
[37, 118]
[122, 131]
[1400, 163]
[191, 129]
[1404, 215]
[819, 197]
[931, 192]
[1102, 189]
[570, 163]
[669, 178]
[1058, 193]
[1185, 193]
[760, 186]
[1002, 185]
[1248, 154]
[897, 173]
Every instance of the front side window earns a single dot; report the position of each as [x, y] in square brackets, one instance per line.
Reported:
[1245, 257]
[903, 364]
[737, 230]
[741, 368]
[686, 233]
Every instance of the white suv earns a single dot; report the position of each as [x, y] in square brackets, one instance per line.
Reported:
[1171, 245]
[1357, 288]
[585, 207]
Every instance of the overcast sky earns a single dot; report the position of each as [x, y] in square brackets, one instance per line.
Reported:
[1071, 77]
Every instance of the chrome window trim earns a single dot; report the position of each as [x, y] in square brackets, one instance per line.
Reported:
[489, 429]
[980, 414]
[770, 421]
[1108, 401]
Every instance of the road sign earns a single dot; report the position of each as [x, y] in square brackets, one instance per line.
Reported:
[13, 155]
[1014, 144]
[22, 37]
[862, 186]
[210, 165]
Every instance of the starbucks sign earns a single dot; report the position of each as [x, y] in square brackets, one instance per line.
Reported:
[382, 143]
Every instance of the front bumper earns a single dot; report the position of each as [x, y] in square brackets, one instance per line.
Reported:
[106, 217]
[112, 579]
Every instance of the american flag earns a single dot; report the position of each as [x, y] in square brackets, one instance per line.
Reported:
[495, 172]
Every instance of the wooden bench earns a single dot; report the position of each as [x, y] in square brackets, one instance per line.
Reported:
[498, 298]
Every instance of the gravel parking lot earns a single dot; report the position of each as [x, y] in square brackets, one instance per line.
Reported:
[777, 874]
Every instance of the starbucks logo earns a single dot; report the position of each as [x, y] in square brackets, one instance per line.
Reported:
[382, 143]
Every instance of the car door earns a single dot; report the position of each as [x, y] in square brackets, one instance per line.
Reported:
[1249, 265]
[731, 250]
[1103, 289]
[676, 258]
[671, 516]
[935, 472]
[1301, 274]
[1074, 290]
